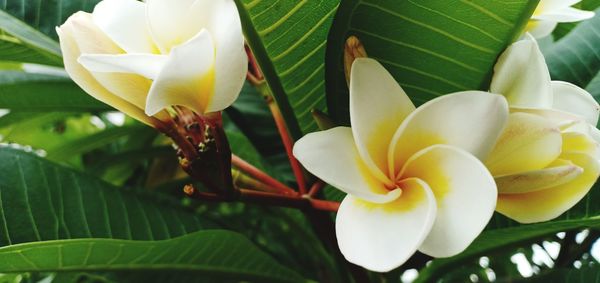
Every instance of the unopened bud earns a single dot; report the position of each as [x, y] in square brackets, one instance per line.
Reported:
[352, 50]
[324, 122]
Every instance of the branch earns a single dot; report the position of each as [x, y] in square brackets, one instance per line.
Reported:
[261, 176]
[265, 198]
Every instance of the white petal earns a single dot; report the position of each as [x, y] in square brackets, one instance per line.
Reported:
[560, 118]
[124, 21]
[187, 79]
[529, 143]
[539, 28]
[465, 193]
[88, 37]
[470, 120]
[91, 40]
[558, 173]
[332, 156]
[378, 105]
[381, 237]
[175, 22]
[522, 76]
[575, 100]
[147, 65]
[231, 61]
[566, 15]
[84, 79]
[553, 5]
[551, 203]
[595, 134]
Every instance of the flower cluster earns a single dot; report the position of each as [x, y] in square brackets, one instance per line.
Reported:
[426, 178]
[142, 57]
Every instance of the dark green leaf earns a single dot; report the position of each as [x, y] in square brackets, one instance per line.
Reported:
[213, 254]
[431, 47]
[584, 275]
[575, 58]
[45, 15]
[289, 39]
[20, 90]
[20, 42]
[94, 141]
[41, 201]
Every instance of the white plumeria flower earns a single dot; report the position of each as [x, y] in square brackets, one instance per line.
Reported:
[146, 56]
[549, 13]
[547, 159]
[412, 176]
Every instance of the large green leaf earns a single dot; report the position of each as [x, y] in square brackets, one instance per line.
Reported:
[20, 42]
[45, 15]
[431, 47]
[205, 255]
[576, 58]
[289, 40]
[27, 91]
[42, 201]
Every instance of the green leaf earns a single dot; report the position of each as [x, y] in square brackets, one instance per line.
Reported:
[585, 274]
[20, 42]
[45, 15]
[289, 40]
[430, 47]
[26, 91]
[575, 58]
[94, 141]
[213, 254]
[41, 201]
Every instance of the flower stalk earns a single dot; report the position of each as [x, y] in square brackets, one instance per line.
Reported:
[264, 198]
[256, 78]
[261, 176]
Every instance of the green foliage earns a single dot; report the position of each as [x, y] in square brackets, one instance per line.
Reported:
[45, 15]
[41, 201]
[20, 42]
[214, 254]
[289, 40]
[35, 91]
[431, 48]
[88, 220]
[575, 58]
[585, 274]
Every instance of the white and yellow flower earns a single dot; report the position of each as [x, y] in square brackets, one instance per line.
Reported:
[413, 177]
[142, 57]
[549, 13]
[547, 158]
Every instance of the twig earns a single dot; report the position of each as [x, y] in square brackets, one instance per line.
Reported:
[261, 176]
[265, 198]
[316, 187]
[289, 145]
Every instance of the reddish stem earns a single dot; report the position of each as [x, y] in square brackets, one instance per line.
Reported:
[264, 198]
[261, 176]
[289, 145]
[316, 187]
